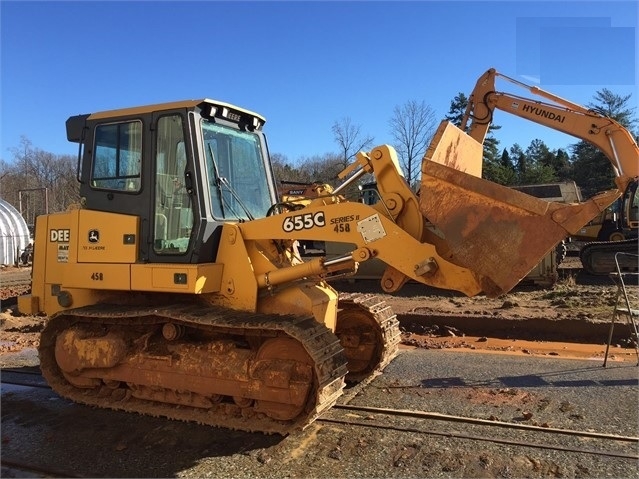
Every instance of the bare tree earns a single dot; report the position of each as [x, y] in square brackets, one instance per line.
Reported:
[412, 126]
[314, 169]
[38, 182]
[284, 170]
[350, 139]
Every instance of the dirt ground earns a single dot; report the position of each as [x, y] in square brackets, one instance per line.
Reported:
[569, 319]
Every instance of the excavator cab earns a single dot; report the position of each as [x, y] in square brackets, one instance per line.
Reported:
[183, 168]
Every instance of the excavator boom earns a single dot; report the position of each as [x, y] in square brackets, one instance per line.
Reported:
[606, 134]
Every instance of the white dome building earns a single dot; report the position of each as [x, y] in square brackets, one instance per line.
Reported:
[14, 234]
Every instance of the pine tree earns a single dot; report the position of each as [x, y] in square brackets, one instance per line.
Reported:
[457, 109]
[592, 171]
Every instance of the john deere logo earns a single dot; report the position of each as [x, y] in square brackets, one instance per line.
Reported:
[94, 236]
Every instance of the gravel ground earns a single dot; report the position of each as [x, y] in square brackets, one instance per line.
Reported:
[532, 385]
[552, 393]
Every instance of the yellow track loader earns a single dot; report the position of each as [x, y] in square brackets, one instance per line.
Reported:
[173, 288]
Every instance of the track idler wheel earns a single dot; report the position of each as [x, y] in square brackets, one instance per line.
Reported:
[360, 336]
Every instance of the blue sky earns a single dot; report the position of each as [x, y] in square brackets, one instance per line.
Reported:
[303, 65]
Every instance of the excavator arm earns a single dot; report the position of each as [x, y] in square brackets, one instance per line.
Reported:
[460, 232]
[606, 134]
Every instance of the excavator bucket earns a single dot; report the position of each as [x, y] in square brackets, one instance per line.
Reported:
[496, 232]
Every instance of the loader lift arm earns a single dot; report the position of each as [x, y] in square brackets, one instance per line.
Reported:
[392, 230]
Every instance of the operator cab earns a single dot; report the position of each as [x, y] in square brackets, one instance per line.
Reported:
[183, 168]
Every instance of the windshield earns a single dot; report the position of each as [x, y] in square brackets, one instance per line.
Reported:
[238, 182]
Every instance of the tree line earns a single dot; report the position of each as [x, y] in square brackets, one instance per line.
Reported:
[38, 182]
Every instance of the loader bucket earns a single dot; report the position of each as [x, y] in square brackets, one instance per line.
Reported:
[452, 147]
[498, 233]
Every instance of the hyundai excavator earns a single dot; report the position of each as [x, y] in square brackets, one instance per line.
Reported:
[606, 134]
[173, 288]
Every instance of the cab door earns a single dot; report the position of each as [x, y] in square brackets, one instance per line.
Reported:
[172, 207]
[113, 174]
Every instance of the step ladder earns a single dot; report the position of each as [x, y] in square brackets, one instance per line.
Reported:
[623, 279]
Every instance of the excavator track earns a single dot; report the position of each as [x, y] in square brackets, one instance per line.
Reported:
[598, 257]
[83, 351]
[369, 332]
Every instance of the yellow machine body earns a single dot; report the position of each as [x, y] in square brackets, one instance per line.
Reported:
[177, 281]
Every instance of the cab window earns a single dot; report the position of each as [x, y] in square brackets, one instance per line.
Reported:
[118, 154]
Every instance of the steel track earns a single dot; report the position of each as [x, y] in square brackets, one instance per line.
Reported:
[322, 346]
[598, 257]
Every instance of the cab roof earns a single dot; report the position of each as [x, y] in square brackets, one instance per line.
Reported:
[212, 108]
[171, 106]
